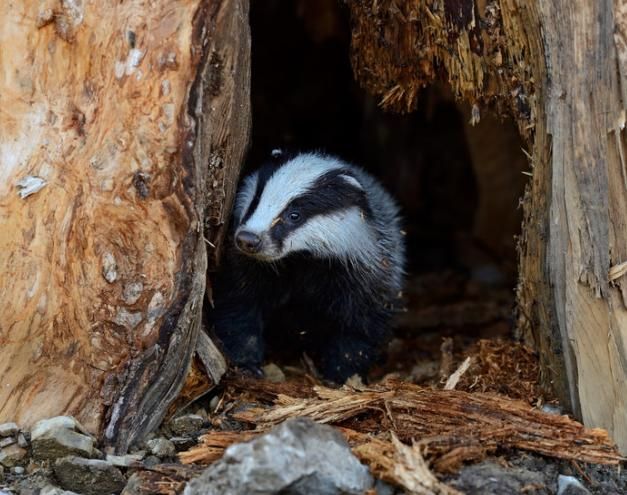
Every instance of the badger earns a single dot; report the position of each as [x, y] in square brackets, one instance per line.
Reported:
[315, 256]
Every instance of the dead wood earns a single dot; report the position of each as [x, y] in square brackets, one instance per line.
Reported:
[116, 138]
[449, 426]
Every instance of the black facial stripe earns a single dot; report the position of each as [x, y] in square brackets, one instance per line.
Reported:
[263, 176]
[329, 194]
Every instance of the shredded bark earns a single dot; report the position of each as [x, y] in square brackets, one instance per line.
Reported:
[506, 368]
[449, 427]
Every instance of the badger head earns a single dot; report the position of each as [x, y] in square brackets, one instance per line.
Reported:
[310, 204]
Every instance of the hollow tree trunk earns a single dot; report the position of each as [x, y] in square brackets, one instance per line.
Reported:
[116, 119]
[558, 67]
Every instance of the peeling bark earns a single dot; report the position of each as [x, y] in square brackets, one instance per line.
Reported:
[559, 69]
[104, 139]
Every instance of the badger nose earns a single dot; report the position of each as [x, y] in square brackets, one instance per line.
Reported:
[248, 242]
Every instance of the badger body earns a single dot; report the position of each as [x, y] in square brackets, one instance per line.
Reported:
[315, 256]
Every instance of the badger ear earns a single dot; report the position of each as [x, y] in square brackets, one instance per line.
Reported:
[352, 181]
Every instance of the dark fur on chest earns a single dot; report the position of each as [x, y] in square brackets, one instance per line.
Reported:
[316, 306]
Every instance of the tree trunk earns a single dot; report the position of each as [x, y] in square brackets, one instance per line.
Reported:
[558, 68]
[116, 119]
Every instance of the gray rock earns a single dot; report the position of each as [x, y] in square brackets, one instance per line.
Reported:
[127, 460]
[55, 490]
[298, 457]
[6, 441]
[19, 470]
[64, 422]
[22, 441]
[8, 429]
[186, 425]
[151, 461]
[12, 455]
[88, 476]
[569, 485]
[57, 437]
[490, 478]
[182, 443]
[161, 447]
[1, 473]
[134, 486]
[273, 373]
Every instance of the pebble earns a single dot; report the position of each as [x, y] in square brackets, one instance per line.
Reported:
[8, 429]
[213, 404]
[88, 476]
[56, 437]
[273, 373]
[22, 441]
[569, 485]
[186, 425]
[182, 443]
[55, 490]
[127, 460]
[151, 460]
[161, 447]
[18, 470]
[6, 441]
[12, 455]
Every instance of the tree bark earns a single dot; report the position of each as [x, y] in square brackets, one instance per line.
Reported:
[122, 129]
[559, 69]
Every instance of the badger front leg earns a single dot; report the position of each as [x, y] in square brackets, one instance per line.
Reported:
[353, 346]
[238, 325]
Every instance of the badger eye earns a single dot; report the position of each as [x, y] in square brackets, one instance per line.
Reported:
[294, 216]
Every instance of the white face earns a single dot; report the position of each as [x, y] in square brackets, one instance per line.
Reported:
[278, 226]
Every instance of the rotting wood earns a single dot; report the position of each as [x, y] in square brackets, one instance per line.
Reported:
[559, 68]
[452, 426]
[106, 131]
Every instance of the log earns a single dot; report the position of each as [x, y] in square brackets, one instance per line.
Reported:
[122, 129]
[558, 68]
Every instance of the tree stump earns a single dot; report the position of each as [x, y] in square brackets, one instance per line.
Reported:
[559, 69]
[122, 131]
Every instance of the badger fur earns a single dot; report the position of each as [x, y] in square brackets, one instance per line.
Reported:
[316, 254]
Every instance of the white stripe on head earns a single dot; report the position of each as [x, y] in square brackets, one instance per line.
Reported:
[289, 181]
[245, 196]
[342, 235]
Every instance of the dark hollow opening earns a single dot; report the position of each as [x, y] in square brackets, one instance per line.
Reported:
[458, 185]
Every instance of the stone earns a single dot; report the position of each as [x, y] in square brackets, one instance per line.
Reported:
[161, 447]
[1, 473]
[125, 461]
[88, 476]
[490, 478]
[273, 373]
[6, 441]
[22, 441]
[19, 470]
[182, 443]
[151, 461]
[55, 490]
[298, 457]
[56, 437]
[186, 425]
[12, 455]
[8, 429]
[569, 485]
[64, 422]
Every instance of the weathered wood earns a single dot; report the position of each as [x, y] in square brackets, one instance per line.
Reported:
[119, 110]
[559, 68]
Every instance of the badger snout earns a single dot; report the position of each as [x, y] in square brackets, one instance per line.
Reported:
[248, 242]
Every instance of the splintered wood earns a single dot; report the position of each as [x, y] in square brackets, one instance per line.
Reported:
[447, 426]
